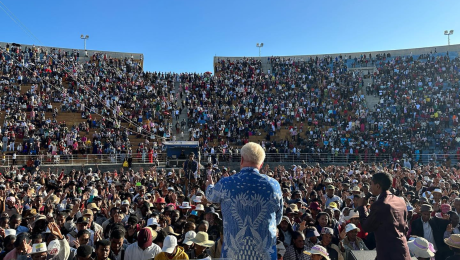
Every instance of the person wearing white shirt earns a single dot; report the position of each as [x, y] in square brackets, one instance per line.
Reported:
[144, 248]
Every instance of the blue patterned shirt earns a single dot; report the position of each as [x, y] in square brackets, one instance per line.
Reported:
[252, 207]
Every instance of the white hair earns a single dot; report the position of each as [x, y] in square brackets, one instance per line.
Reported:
[253, 153]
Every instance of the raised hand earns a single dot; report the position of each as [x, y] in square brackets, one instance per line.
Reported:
[76, 208]
[302, 226]
[449, 228]
[342, 234]
[76, 243]
[97, 236]
[54, 228]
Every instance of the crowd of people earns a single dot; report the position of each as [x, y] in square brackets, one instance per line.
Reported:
[158, 214]
[318, 99]
[104, 91]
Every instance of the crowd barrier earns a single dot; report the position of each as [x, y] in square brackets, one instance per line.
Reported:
[162, 159]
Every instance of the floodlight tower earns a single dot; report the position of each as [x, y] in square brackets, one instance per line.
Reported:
[448, 33]
[84, 38]
[259, 46]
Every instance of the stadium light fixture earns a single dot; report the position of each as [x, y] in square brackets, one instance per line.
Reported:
[84, 38]
[448, 33]
[259, 46]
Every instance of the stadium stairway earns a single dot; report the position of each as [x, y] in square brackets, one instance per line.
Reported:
[182, 116]
[371, 101]
[266, 65]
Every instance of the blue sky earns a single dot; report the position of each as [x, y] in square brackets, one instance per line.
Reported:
[184, 35]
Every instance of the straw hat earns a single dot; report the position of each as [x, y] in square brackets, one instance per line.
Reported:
[92, 206]
[294, 208]
[318, 250]
[453, 241]
[170, 231]
[420, 247]
[202, 239]
[356, 188]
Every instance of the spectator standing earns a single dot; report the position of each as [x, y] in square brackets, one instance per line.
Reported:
[253, 206]
[144, 248]
[387, 219]
[433, 229]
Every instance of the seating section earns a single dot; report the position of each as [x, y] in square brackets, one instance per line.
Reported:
[53, 102]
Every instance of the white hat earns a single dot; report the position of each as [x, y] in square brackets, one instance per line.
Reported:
[328, 180]
[152, 222]
[188, 237]
[197, 199]
[54, 247]
[437, 191]
[420, 247]
[318, 250]
[38, 248]
[171, 188]
[199, 207]
[10, 232]
[351, 227]
[352, 214]
[94, 192]
[169, 244]
[125, 202]
[356, 188]
[185, 205]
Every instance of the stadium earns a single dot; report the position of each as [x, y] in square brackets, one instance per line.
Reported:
[383, 106]
[343, 156]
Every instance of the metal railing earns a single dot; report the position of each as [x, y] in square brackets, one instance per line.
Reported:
[81, 159]
[162, 159]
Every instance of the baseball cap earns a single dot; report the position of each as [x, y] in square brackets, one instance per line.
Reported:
[312, 232]
[327, 230]
[169, 244]
[188, 237]
[146, 237]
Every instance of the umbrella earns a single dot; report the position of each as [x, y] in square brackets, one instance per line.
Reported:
[15, 44]
[208, 72]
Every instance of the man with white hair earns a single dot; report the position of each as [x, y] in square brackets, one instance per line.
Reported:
[252, 207]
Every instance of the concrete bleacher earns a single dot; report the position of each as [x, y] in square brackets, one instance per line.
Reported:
[137, 57]
[415, 52]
